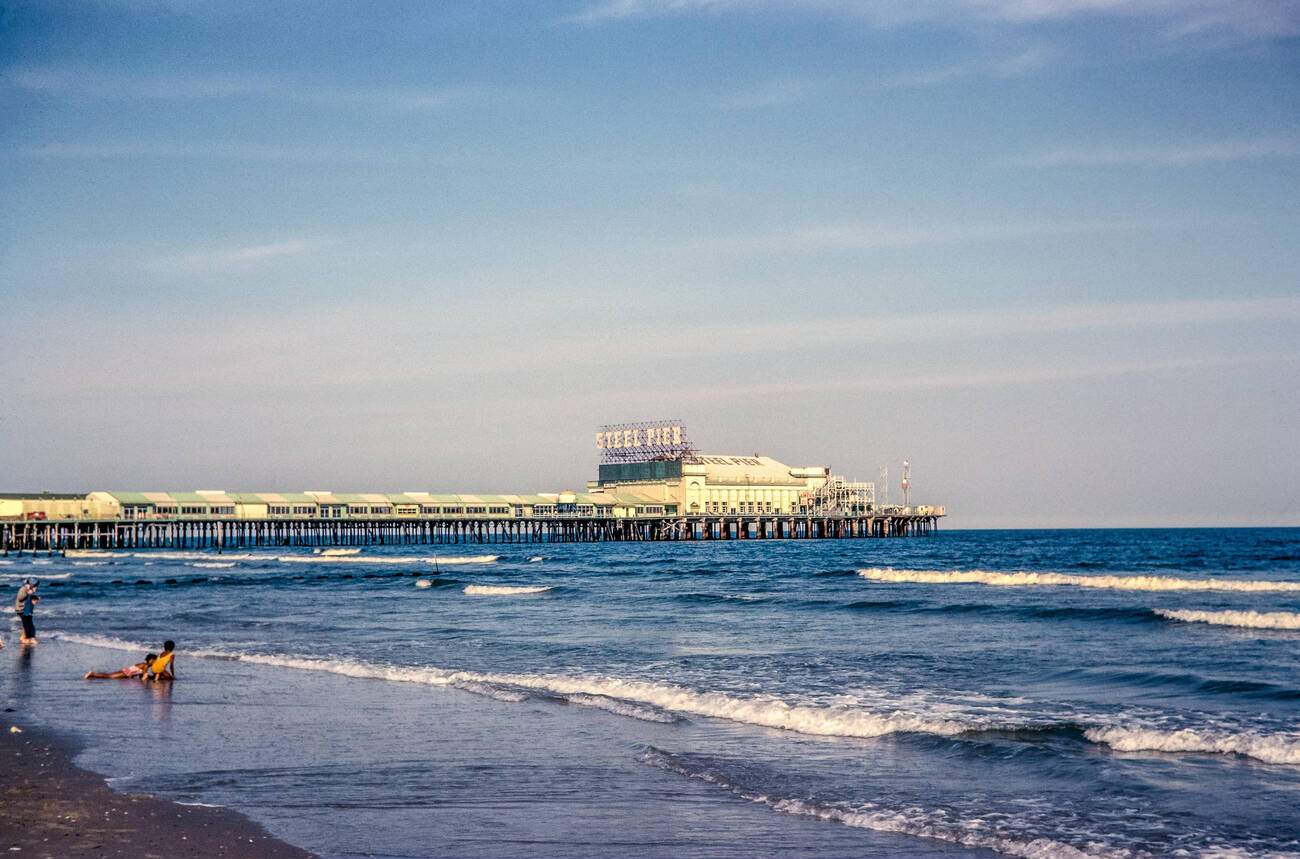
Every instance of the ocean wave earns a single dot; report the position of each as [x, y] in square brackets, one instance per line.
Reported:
[1280, 748]
[623, 708]
[536, 559]
[503, 590]
[336, 552]
[451, 560]
[1249, 619]
[511, 696]
[1028, 579]
[212, 565]
[995, 832]
[891, 715]
[42, 577]
[87, 553]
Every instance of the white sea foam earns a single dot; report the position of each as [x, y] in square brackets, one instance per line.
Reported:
[5, 562]
[1027, 579]
[337, 552]
[536, 559]
[212, 565]
[159, 555]
[423, 583]
[503, 590]
[512, 696]
[1279, 748]
[40, 577]
[1251, 619]
[88, 553]
[995, 832]
[622, 708]
[388, 559]
[89, 563]
[847, 720]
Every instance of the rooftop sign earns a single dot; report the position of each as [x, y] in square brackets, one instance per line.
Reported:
[644, 441]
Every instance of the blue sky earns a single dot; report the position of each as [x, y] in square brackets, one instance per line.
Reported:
[1046, 249]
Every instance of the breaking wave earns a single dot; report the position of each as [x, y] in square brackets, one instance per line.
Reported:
[1278, 748]
[623, 708]
[995, 832]
[503, 590]
[639, 698]
[213, 565]
[1027, 579]
[42, 577]
[336, 552]
[1249, 619]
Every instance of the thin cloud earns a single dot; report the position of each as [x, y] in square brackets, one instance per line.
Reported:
[1169, 19]
[794, 90]
[866, 236]
[991, 378]
[218, 259]
[236, 151]
[1166, 155]
[107, 86]
[997, 68]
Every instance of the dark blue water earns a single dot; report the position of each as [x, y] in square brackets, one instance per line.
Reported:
[1039, 694]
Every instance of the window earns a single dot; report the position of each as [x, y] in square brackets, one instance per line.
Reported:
[303, 510]
[406, 510]
[453, 510]
[166, 511]
[428, 510]
[497, 511]
[543, 510]
[194, 511]
[585, 509]
[357, 510]
[275, 510]
[223, 511]
[381, 510]
[475, 510]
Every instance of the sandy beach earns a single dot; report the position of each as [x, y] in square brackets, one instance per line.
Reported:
[51, 808]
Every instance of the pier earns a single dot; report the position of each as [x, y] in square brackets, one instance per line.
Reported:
[53, 536]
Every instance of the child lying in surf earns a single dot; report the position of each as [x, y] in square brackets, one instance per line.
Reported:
[127, 673]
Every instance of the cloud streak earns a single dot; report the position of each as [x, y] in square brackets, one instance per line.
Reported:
[1170, 19]
[103, 85]
[220, 259]
[869, 236]
[1166, 155]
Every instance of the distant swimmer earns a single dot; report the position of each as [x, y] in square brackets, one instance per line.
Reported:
[128, 673]
[25, 605]
[164, 666]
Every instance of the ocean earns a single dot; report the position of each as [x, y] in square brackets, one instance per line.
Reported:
[1114, 693]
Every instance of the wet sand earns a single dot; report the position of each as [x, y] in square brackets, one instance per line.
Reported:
[51, 808]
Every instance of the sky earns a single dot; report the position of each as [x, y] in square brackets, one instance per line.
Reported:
[1046, 250]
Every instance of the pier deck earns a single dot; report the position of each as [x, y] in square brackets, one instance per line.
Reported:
[58, 535]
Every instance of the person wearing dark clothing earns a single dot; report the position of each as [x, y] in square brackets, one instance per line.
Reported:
[25, 606]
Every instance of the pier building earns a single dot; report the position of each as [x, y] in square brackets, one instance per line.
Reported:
[651, 485]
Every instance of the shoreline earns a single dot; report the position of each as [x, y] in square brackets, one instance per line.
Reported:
[50, 807]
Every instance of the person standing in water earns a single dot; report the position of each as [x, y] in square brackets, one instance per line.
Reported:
[25, 606]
